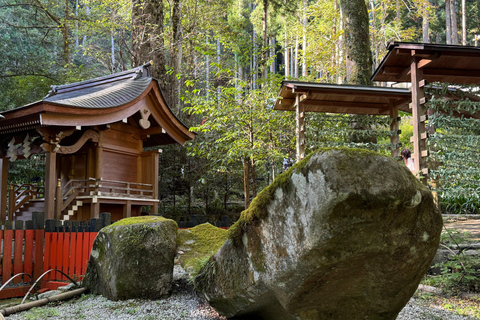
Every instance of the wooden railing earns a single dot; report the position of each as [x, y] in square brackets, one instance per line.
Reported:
[19, 195]
[123, 189]
[99, 187]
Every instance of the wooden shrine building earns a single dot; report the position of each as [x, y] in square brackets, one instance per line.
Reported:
[349, 99]
[417, 63]
[422, 63]
[100, 138]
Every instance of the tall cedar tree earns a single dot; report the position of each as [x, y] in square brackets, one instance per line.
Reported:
[148, 44]
[357, 41]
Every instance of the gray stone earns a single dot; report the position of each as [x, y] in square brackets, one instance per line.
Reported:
[48, 294]
[67, 287]
[133, 258]
[344, 234]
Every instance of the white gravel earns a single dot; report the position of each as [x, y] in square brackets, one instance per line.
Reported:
[414, 311]
[183, 304]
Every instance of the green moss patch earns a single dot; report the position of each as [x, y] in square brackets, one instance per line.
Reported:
[138, 220]
[199, 242]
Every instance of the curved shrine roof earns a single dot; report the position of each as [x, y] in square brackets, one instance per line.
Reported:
[107, 95]
[100, 101]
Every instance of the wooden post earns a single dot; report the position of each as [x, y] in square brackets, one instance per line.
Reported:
[394, 125]
[300, 110]
[3, 188]
[95, 209]
[59, 200]
[50, 184]
[127, 209]
[155, 181]
[11, 202]
[418, 119]
[98, 162]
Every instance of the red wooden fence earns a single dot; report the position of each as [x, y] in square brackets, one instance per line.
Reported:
[68, 252]
[36, 251]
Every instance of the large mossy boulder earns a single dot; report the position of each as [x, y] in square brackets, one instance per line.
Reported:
[344, 234]
[133, 258]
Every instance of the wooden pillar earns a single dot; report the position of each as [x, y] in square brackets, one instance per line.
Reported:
[155, 181]
[58, 200]
[95, 208]
[394, 126]
[418, 119]
[300, 112]
[98, 162]
[50, 184]
[127, 209]
[3, 188]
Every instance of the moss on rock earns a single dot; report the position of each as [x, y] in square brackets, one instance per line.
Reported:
[198, 242]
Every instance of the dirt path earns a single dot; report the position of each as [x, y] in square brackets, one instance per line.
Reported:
[465, 225]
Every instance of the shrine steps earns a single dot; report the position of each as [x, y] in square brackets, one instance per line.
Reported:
[26, 211]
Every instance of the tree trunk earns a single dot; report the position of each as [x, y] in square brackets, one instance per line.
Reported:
[448, 23]
[286, 58]
[296, 57]
[147, 38]
[304, 44]
[246, 182]
[357, 41]
[265, 39]
[437, 12]
[66, 39]
[176, 57]
[453, 17]
[254, 178]
[426, 26]
[464, 24]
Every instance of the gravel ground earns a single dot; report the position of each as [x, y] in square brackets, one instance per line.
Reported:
[183, 304]
[414, 311]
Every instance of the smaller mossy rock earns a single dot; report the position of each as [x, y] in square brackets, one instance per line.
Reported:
[199, 242]
[133, 258]
[344, 234]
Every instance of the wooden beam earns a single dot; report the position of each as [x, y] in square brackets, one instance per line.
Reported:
[300, 113]
[403, 74]
[394, 127]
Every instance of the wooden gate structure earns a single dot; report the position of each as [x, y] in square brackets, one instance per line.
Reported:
[417, 63]
[99, 138]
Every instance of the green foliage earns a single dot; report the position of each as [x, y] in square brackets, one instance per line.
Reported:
[462, 271]
[455, 147]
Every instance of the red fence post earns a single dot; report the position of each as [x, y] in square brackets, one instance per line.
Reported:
[7, 251]
[38, 226]
[18, 250]
[78, 255]
[28, 257]
[73, 248]
[66, 254]
[59, 257]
